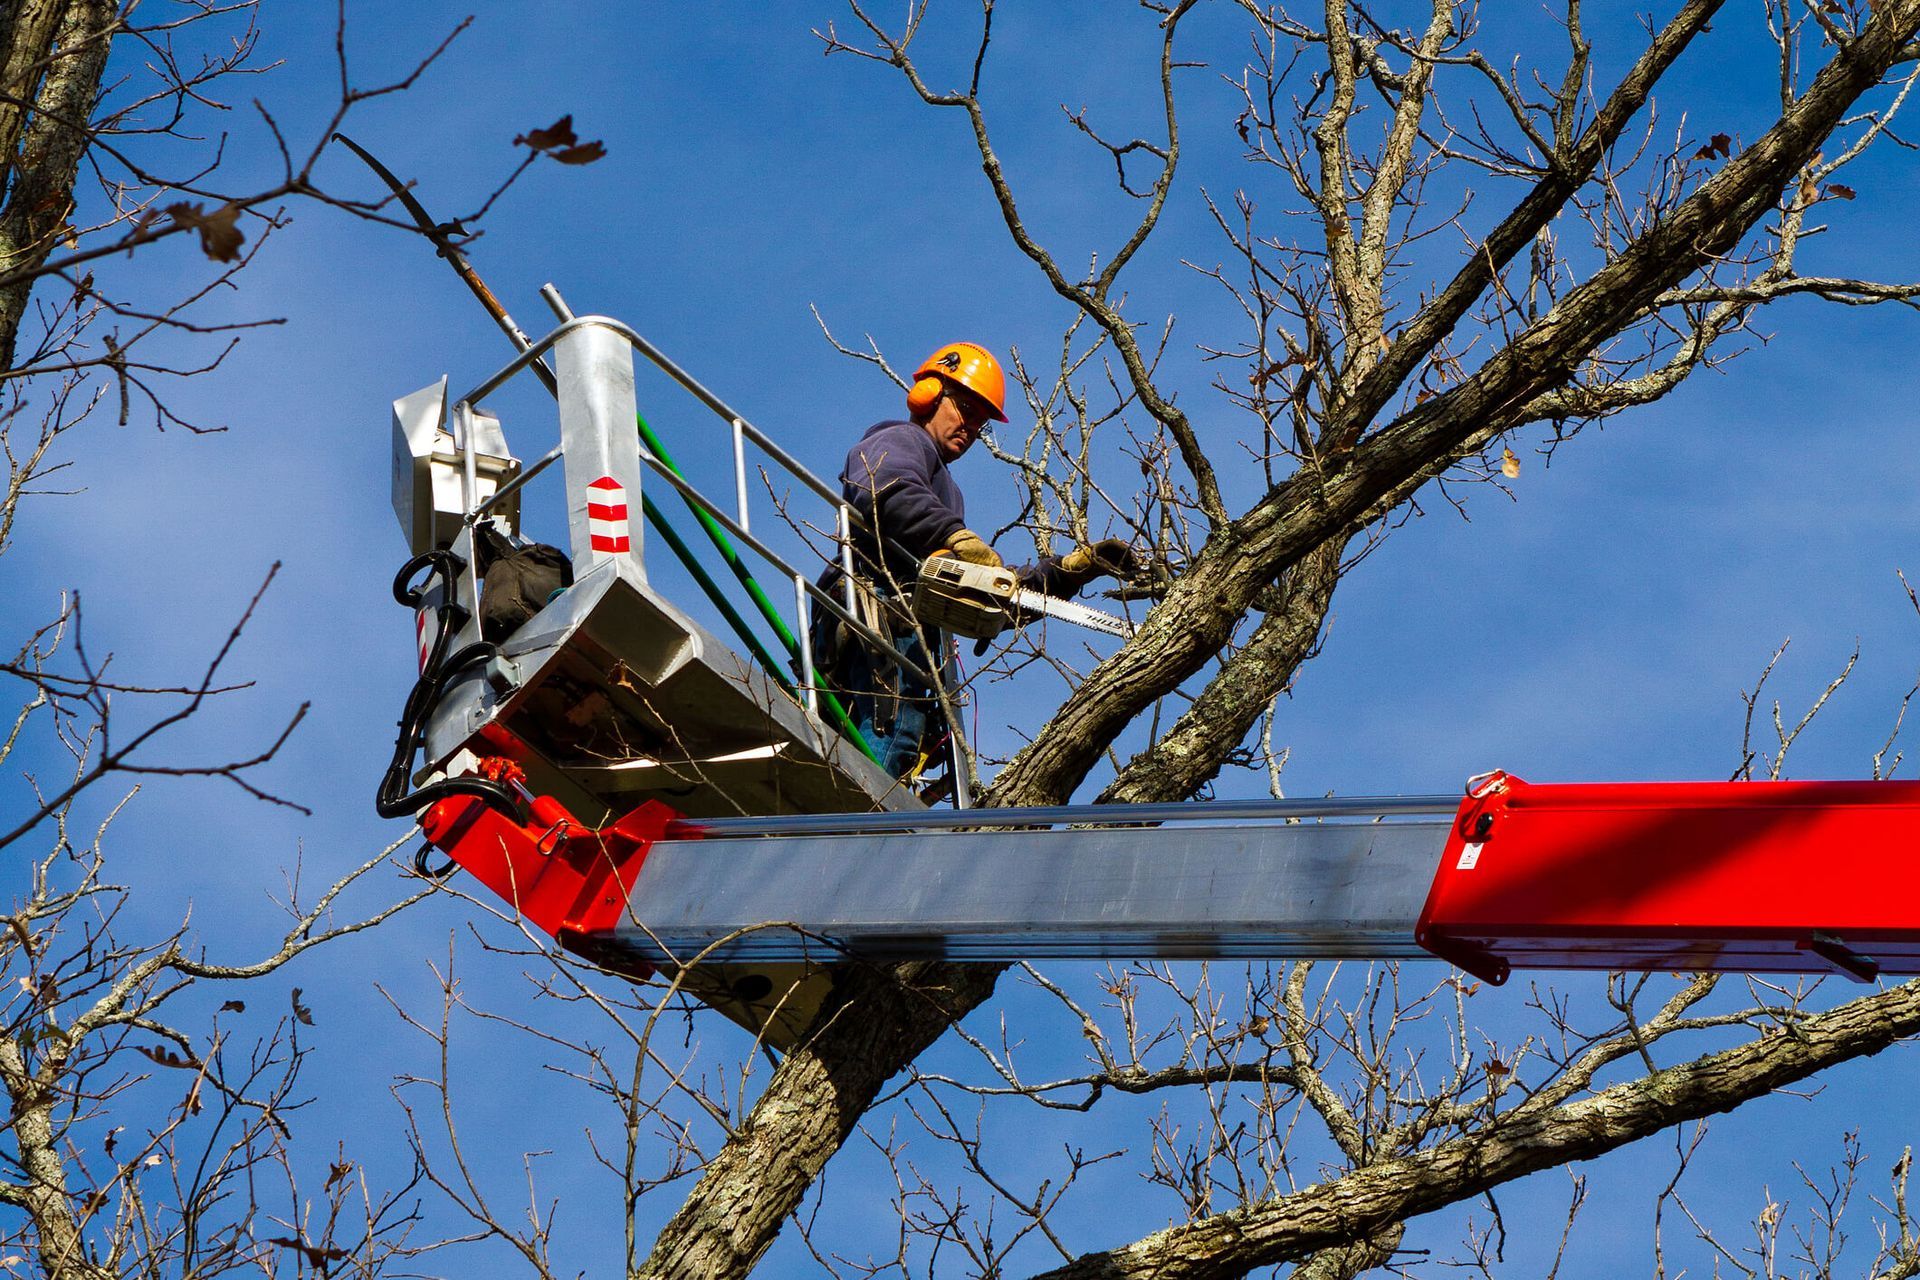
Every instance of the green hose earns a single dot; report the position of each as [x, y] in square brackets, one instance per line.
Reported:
[700, 575]
[724, 545]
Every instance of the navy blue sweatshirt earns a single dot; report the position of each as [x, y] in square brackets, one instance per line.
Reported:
[896, 469]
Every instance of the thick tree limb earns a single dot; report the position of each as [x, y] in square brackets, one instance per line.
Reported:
[1567, 171]
[1360, 1205]
[1190, 754]
[879, 1021]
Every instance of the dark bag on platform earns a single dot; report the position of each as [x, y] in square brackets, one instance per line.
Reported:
[516, 582]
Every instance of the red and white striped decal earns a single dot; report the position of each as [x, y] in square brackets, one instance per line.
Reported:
[425, 630]
[607, 515]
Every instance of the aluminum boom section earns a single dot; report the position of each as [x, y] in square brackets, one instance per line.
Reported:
[1107, 815]
[1248, 889]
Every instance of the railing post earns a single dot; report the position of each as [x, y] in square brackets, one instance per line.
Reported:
[602, 451]
[467, 593]
[956, 754]
[803, 610]
[846, 557]
[740, 471]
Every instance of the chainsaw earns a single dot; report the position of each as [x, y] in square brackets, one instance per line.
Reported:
[980, 601]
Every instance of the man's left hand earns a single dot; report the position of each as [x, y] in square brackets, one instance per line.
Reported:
[1109, 557]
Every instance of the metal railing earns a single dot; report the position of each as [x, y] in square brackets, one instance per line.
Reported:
[721, 523]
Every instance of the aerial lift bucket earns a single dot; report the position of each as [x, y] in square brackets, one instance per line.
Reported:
[610, 697]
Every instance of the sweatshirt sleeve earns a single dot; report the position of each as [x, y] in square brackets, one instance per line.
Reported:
[890, 478]
[1048, 578]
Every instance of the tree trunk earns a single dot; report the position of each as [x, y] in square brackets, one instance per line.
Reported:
[878, 1020]
[56, 52]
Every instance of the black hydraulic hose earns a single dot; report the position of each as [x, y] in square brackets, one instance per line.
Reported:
[394, 800]
[444, 564]
[426, 872]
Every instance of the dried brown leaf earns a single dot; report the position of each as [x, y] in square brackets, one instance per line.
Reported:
[166, 1057]
[1720, 144]
[585, 153]
[1509, 464]
[301, 1011]
[1841, 190]
[220, 236]
[558, 134]
[1273, 370]
[318, 1256]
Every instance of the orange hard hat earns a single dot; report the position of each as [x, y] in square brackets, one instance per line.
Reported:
[967, 363]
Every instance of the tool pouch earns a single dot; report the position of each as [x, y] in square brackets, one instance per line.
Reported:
[876, 613]
[879, 614]
[516, 581]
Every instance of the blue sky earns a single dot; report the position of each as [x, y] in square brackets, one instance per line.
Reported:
[1601, 625]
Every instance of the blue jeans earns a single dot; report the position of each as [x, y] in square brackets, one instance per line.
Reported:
[893, 723]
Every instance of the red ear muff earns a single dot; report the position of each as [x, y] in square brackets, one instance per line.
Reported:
[924, 394]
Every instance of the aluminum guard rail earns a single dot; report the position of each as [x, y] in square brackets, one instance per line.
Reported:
[806, 593]
[803, 586]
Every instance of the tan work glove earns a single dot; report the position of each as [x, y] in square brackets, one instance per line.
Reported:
[971, 547]
[1109, 557]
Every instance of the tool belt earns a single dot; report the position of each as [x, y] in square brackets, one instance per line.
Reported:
[889, 616]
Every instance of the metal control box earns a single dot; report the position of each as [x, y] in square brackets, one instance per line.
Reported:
[428, 475]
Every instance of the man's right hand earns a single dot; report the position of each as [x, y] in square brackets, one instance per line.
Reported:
[971, 547]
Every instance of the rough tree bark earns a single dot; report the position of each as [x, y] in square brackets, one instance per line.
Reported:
[1184, 632]
[55, 52]
[1523, 1141]
[1360, 446]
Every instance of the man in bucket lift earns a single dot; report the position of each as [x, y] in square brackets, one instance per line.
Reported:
[897, 478]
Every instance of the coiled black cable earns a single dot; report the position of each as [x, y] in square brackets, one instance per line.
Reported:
[426, 872]
[394, 800]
